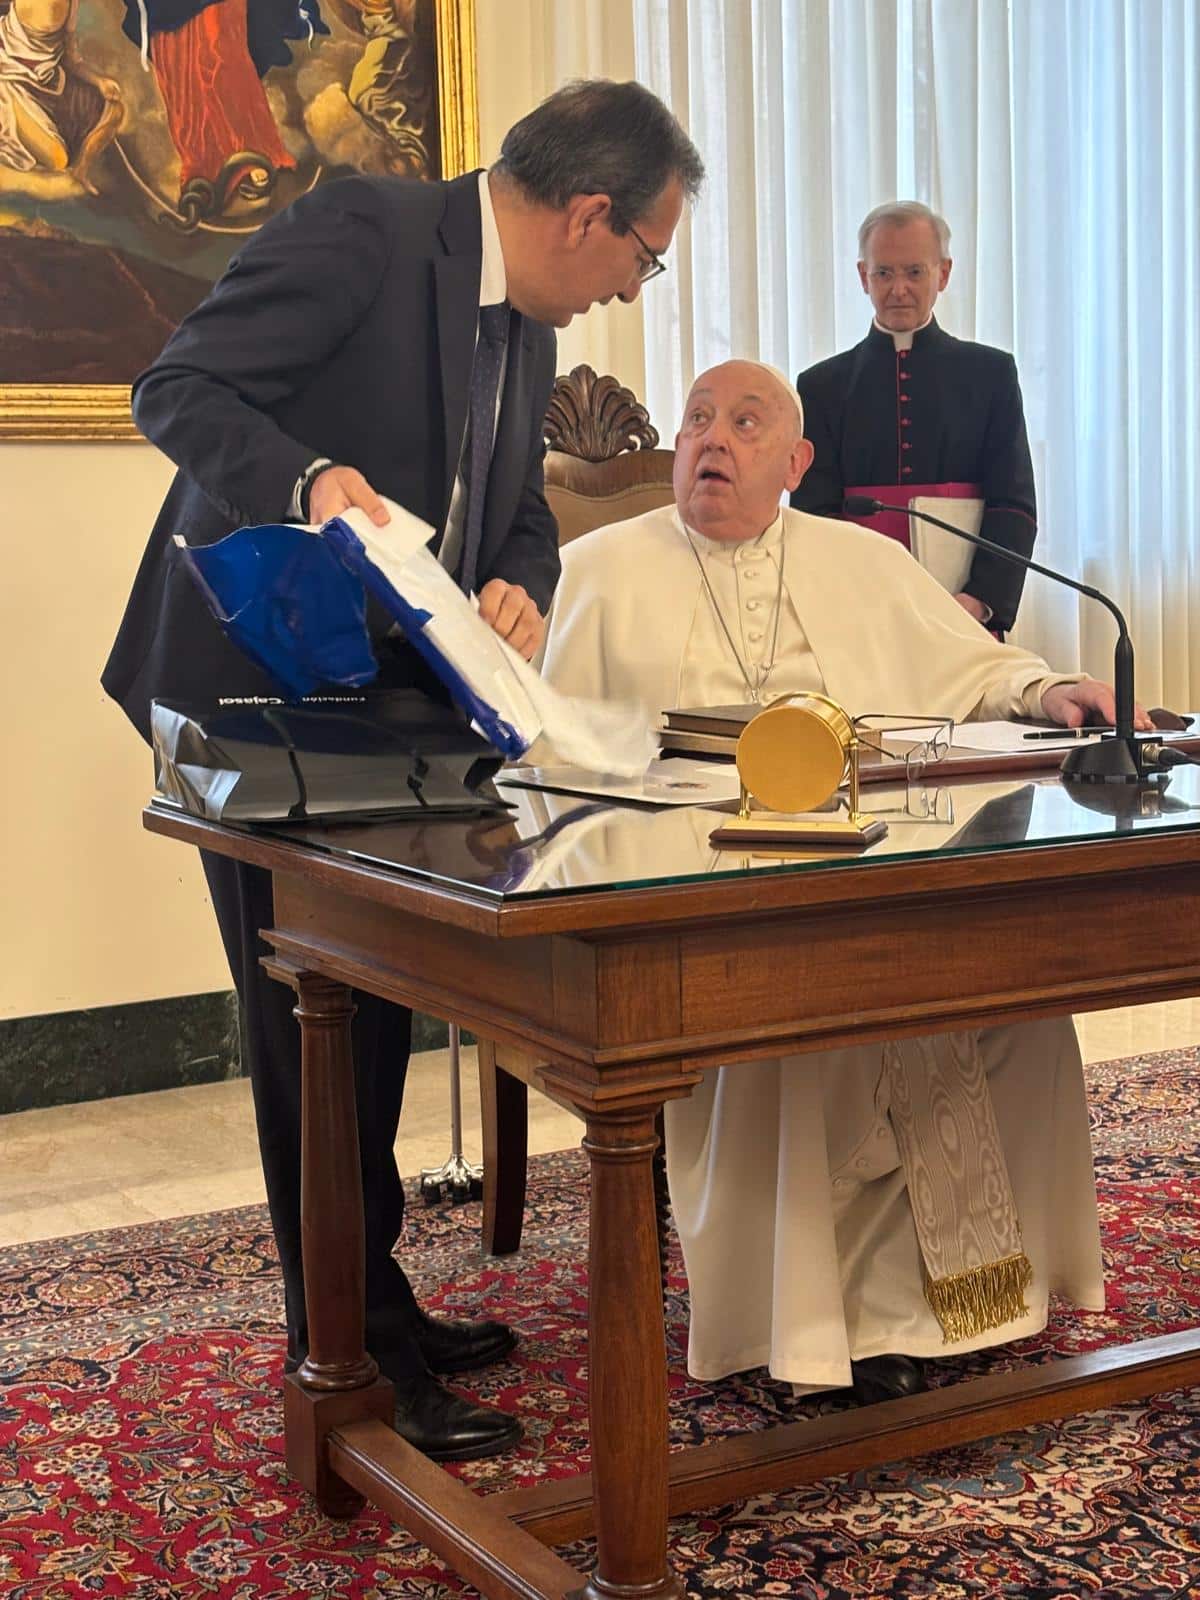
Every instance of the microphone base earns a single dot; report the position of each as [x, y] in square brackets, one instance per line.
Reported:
[1114, 759]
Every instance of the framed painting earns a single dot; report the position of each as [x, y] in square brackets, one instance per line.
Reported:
[141, 141]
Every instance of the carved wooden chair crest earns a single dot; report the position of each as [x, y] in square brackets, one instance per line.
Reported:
[595, 418]
[602, 460]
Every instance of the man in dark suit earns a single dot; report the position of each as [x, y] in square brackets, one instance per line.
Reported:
[387, 337]
[913, 411]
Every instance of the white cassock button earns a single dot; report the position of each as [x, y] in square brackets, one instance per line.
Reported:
[750, 573]
[841, 1183]
[860, 1163]
[755, 634]
[753, 605]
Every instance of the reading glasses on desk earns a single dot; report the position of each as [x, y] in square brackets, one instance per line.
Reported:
[926, 739]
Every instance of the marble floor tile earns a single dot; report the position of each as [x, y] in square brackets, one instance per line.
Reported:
[138, 1158]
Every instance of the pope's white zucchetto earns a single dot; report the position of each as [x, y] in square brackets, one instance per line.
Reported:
[789, 389]
[774, 373]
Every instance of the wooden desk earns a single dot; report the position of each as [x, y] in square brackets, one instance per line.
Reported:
[1036, 906]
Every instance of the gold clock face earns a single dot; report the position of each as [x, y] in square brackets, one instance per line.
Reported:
[792, 757]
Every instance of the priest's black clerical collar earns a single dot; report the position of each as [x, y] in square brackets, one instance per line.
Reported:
[928, 334]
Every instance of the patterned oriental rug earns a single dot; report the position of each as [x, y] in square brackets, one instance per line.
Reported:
[141, 1453]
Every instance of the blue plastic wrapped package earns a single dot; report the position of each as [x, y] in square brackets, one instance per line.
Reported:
[286, 601]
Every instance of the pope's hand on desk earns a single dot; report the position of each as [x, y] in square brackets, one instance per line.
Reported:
[1073, 704]
[514, 616]
[337, 489]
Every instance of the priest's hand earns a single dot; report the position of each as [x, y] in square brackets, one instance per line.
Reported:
[337, 489]
[513, 614]
[975, 608]
[1073, 704]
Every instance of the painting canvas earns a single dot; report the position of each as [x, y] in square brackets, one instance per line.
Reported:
[142, 141]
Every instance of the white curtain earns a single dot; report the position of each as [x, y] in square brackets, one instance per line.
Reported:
[1061, 140]
[527, 49]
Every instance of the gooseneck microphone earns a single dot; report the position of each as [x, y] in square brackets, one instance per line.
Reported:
[1118, 757]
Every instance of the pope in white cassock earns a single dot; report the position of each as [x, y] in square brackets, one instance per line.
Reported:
[844, 1213]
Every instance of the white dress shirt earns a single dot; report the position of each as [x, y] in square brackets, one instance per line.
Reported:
[493, 288]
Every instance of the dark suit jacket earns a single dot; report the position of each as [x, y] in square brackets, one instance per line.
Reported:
[345, 328]
[948, 412]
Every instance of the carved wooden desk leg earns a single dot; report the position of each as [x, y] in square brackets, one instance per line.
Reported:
[338, 1381]
[627, 1362]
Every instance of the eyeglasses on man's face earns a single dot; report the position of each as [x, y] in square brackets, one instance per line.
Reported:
[652, 264]
[918, 273]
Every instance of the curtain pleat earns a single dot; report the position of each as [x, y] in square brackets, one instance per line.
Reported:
[1061, 139]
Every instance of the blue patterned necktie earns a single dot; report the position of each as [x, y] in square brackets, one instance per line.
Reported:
[481, 427]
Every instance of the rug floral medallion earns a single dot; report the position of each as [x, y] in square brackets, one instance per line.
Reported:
[141, 1451]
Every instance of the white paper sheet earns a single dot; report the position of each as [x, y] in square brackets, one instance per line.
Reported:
[671, 782]
[1012, 737]
[999, 738]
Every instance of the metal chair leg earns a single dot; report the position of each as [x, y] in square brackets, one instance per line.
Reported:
[456, 1179]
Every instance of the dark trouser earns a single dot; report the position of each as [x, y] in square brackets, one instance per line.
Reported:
[242, 899]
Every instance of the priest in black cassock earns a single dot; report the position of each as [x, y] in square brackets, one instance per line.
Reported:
[913, 411]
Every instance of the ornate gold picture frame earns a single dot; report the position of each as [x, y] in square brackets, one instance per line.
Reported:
[123, 189]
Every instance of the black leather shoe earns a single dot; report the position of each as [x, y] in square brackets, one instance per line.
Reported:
[447, 1427]
[879, 1378]
[451, 1345]
[446, 1345]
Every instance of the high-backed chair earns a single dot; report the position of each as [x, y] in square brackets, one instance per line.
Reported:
[602, 466]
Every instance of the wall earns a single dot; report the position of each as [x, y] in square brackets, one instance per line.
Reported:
[95, 911]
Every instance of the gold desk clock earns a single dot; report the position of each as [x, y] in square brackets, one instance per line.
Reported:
[792, 757]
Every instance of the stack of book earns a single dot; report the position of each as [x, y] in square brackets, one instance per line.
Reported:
[712, 732]
[704, 730]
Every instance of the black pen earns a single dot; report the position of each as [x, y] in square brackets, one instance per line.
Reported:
[1065, 733]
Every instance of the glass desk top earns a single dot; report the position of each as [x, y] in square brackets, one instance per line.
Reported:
[554, 844]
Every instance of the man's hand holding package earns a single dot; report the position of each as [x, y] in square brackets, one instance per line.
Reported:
[513, 615]
[505, 607]
[337, 489]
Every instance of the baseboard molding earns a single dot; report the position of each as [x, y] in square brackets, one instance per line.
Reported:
[431, 1033]
[67, 1056]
